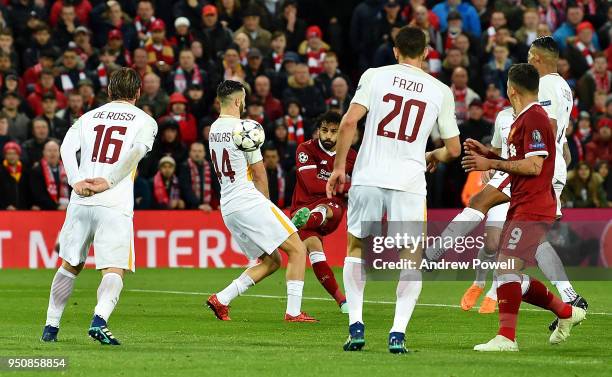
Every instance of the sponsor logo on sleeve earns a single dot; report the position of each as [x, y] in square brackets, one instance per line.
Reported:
[546, 103]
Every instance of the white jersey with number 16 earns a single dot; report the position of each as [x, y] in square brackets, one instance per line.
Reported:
[404, 103]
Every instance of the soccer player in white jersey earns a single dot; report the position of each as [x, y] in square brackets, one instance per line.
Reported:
[112, 140]
[555, 97]
[257, 225]
[403, 104]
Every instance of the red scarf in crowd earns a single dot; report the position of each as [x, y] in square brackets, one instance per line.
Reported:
[579, 147]
[142, 27]
[277, 59]
[59, 195]
[435, 61]
[280, 184]
[602, 82]
[548, 16]
[586, 51]
[295, 129]
[14, 171]
[314, 59]
[180, 80]
[160, 191]
[460, 105]
[196, 180]
[102, 75]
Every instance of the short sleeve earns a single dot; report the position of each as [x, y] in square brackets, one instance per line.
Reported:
[538, 137]
[362, 94]
[253, 157]
[447, 122]
[548, 100]
[146, 135]
[496, 141]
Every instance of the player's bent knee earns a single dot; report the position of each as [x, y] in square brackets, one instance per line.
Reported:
[491, 243]
[113, 270]
[354, 247]
[272, 261]
[73, 269]
[294, 245]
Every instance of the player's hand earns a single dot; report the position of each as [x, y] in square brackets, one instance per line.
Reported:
[97, 185]
[475, 163]
[335, 183]
[471, 147]
[431, 162]
[82, 189]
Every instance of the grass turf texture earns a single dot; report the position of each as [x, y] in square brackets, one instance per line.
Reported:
[174, 334]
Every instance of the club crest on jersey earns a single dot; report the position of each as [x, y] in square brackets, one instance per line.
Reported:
[302, 157]
[512, 150]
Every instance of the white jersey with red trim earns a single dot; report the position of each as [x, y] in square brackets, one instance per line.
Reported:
[555, 97]
[404, 104]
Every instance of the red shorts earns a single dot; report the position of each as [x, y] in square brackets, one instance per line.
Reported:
[338, 207]
[520, 238]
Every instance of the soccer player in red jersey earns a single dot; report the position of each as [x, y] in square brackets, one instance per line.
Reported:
[531, 165]
[314, 215]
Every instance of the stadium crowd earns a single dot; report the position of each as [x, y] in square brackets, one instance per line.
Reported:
[298, 59]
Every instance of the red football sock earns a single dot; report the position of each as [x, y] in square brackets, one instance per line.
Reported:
[509, 299]
[327, 279]
[539, 295]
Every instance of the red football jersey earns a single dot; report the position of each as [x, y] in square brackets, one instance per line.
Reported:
[314, 166]
[532, 197]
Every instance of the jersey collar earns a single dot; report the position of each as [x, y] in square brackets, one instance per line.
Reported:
[527, 108]
[325, 150]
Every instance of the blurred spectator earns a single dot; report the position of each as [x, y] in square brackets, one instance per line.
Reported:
[496, 70]
[549, 14]
[276, 177]
[454, 59]
[390, 18]
[106, 66]
[215, 37]
[475, 127]
[49, 187]
[182, 36]
[41, 42]
[529, 30]
[314, 50]
[57, 126]
[187, 123]
[484, 8]
[33, 147]
[493, 104]
[190, 10]
[462, 94]
[46, 84]
[297, 129]
[142, 193]
[74, 110]
[584, 189]
[470, 18]
[7, 46]
[604, 30]
[87, 93]
[166, 189]
[301, 86]
[602, 169]
[168, 143]
[580, 54]
[198, 183]
[160, 53]
[141, 63]
[259, 36]
[83, 47]
[340, 95]
[293, 27]
[384, 52]
[243, 42]
[274, 60]
[18, 121]
[598, 78]
[80, 9]
[185, 74]
[116, 46]
[151, 92]
[46, 59]
[422, 20]
[66, 25]
[323, 81]
[108, 19]
[232, 68]
[286, 149]
[13, 182]
[71, 70]
[4, 135]
[196, 101]
[600, 148]
[254, 66]
[230, 13]
[575, 16]
[273, 107]
[143, 22]
[362, 32]
[563, 68]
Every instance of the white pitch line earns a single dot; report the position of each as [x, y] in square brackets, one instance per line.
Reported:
[329, 299]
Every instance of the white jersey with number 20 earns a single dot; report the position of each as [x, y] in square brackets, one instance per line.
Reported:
[404, 103]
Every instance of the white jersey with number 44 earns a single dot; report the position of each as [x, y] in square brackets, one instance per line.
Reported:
[404, 104]
[232, 168]
[555, 96]
[106, 135]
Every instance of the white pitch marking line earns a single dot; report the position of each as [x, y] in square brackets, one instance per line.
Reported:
[327, 299]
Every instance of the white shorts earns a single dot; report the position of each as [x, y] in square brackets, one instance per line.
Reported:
[259, 229]
[496, 217]
[501, 181]
[110, 231]
[368, 204]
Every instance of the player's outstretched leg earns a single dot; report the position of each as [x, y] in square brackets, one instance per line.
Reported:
[489, 303]
[407, 293]
[219, 302]
[61, 289]
[552, 267]
[354, 277]
[296, 265]
[487, 253]
[108, 296]
[304, 218]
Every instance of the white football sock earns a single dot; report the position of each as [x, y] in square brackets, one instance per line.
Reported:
[462, 224]
[481, 273]
[316, 257]
[235, 288]
[492, 292]
[294, 297]
[323, 211]
[354, 278]
[552, 267]
[61, 289]
[408, 290]
[108, 294]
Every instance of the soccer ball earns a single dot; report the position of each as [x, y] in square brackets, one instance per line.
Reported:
[248, 135]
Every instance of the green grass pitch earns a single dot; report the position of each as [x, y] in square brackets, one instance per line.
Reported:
[166, 331]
